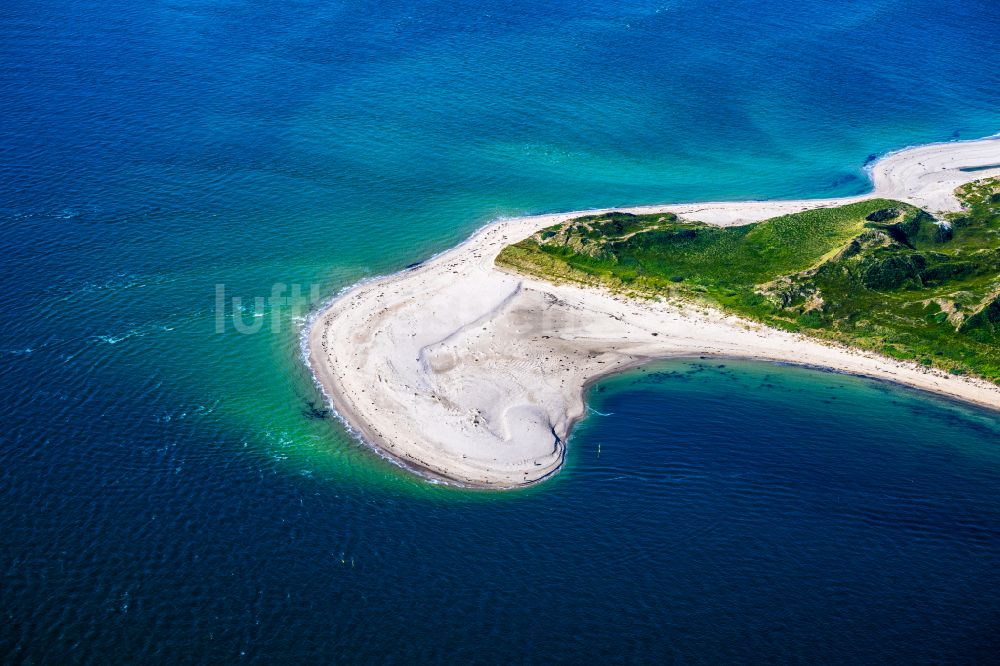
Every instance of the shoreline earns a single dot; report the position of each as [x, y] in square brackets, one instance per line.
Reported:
[470, 375]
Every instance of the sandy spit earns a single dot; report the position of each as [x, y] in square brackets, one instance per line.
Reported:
[466, 373]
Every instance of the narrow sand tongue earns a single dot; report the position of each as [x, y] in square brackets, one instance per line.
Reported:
[475, 375]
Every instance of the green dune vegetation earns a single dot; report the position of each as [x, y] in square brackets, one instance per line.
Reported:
[879, 274]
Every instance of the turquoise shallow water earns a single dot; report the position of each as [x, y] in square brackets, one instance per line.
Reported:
[171, 492]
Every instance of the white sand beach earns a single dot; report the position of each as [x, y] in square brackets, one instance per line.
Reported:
[470, 374]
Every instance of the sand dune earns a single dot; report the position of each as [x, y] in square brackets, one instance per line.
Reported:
[467, 373]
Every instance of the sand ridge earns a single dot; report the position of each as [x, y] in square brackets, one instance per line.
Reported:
[470, 374]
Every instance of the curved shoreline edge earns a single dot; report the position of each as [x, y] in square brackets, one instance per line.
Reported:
[467, 374]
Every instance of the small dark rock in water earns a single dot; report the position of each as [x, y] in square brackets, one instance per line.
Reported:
[871, 158]
[314, 412]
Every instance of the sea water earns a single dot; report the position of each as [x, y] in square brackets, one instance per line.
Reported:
[172, 486]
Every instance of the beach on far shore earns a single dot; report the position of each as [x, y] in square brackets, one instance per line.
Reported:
[470, 374]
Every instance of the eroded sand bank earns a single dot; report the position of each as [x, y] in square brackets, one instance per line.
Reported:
[465, 372]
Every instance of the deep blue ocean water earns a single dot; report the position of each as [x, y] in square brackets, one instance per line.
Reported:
[171, 493]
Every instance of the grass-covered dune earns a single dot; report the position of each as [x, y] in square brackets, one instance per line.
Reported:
[878, 274]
